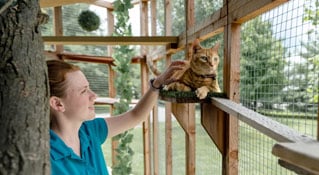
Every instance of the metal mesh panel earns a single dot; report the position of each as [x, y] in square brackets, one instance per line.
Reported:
[279, 79]
[208, 158]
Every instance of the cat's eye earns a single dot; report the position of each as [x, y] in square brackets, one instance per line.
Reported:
[215, 59]
[204, 58]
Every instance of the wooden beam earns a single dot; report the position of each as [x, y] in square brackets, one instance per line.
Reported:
[56, 3]
[267, 126]
[58, 27]
[168, 132]
[146, 124]
[208, 27]
[299, 156]
[244, 10]
[231, 75]
[239, 12]
[110, 101]
[110, 40]
[87, 58]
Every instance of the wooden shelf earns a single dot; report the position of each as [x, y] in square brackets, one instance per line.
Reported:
[300, 157]
[187, 97]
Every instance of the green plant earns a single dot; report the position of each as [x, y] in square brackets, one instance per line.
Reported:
[89, 21]
[122, 56]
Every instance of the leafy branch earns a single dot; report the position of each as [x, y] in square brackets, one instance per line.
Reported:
[122, 56]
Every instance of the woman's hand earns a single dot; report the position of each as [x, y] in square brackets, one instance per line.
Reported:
[173, 73]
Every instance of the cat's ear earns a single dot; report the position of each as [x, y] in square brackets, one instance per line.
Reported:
[216, 47]
[196, 44]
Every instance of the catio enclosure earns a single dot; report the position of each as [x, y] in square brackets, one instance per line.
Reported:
[269, 73]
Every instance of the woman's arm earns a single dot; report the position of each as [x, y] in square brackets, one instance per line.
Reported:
[136, 115]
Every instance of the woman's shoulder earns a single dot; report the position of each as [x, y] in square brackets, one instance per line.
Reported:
[96, 127]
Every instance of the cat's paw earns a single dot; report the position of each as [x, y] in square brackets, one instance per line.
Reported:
[202, 92]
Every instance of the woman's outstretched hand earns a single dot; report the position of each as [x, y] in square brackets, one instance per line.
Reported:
[171, 74]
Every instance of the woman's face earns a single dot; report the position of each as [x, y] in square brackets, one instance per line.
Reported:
[79, 99]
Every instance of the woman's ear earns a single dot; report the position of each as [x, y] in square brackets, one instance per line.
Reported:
[56, 104]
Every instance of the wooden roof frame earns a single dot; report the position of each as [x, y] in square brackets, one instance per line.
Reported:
[239, 11]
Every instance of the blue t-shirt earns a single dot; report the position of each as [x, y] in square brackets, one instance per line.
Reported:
[64, 161]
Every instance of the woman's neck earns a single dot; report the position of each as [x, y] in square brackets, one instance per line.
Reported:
[69, 133]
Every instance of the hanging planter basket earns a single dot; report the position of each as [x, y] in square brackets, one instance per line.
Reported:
[89, 21]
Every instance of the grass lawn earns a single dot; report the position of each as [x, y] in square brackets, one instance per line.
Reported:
[255, 156]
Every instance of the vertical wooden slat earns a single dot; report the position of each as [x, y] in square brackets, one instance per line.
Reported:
[155, 140]
[168, 132]
[153, 17]
[185, 115]
[168, 105]
[231, 88]
[58, 27]
[146, 123]
[190, 21]
[112, 94]
[110, 28]
[144, 77]
[155, 109]
[168, 17]
[190, 139]
[112, 91]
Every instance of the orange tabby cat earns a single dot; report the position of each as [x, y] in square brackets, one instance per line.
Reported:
[201, 73]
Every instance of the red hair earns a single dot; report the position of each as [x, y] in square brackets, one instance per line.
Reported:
[56, 71]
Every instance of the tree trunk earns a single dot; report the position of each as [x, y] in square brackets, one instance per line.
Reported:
[24, 110]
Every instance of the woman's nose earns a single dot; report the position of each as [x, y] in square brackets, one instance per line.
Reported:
[93, 94]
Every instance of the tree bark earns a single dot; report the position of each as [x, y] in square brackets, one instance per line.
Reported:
[24, 110]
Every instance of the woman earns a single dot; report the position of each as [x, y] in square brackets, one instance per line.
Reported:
[75, 135]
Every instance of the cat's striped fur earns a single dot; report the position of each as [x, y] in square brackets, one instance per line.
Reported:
[201, 73]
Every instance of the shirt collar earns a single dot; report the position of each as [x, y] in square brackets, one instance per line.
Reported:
[59, 150]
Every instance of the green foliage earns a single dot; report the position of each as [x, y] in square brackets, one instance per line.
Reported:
[262, 65]
[312, 51]
[124, 86]
[312, 11]
[203, 8]
[89, 21]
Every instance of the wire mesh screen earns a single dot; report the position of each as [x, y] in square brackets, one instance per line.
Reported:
[208, 157]
[279, 78]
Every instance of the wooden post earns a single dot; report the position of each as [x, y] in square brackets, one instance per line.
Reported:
[185, 115]
[189, 109]
[112, 94]
[58, 27]
[231, 88]
[155, 109]
[168, 105]
[168, 131]
[144, 77]
[112, 90]
[146, 123]
[110, 28]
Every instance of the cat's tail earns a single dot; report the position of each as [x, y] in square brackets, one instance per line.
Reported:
[151, 66]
